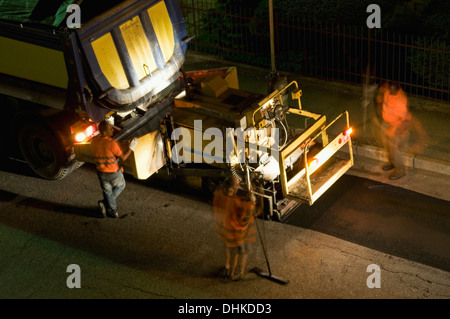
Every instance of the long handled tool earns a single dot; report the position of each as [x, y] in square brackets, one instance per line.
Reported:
[257, 270]
[262, 273]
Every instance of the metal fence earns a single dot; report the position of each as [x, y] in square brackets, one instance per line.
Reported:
[322, 50]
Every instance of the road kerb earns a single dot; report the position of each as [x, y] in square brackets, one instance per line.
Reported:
[411, 161]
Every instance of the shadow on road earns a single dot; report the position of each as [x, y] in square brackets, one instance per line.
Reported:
[30, 202]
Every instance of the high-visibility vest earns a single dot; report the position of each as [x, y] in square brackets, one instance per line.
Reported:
[242, 223]
[232, 223]
[106, 154]
[395, 107]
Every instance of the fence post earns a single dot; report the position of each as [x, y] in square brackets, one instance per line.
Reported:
[272, 41]
[366, 100]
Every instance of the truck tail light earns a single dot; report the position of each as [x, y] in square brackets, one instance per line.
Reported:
[81, 134]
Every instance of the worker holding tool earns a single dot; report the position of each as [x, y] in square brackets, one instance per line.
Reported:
[107, 153]
[234, 222]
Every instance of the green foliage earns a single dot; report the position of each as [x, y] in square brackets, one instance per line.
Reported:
[216, 29]
[222, 32]
[429, 65]
[294, 61]
[436, 19]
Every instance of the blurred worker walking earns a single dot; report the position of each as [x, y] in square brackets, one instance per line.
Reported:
[397, 126]
[107, 153]
[235, 224]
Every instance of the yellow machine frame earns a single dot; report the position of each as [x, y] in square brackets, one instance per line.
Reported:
[317, 172]
[300, 187]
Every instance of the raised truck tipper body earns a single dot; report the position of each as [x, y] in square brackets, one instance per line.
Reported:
[122, 60]
[124, 63]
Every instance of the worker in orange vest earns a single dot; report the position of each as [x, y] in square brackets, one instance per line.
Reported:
[107, 154]
[235, 224]
[396, 120]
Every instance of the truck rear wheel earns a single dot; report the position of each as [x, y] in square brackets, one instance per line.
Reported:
[43, 152]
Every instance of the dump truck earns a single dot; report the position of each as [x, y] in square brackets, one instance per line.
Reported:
[65, 65]
[124, 62]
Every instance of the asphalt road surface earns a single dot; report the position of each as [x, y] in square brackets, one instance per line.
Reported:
[47, 227]
[390, 219]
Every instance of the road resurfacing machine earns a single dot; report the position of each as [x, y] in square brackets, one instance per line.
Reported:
[213, 128]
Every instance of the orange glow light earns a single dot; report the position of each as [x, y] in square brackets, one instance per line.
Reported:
[80, 137]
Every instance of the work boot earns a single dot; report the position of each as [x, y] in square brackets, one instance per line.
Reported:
[388, 167]
[102, 207]
[397, 174]
[113, 215]
[234, 277]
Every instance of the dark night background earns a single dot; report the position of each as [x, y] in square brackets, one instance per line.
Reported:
[330, 40]
[423, 17]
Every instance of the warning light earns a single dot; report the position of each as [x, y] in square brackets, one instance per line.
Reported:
[346, 135]
[82, 136]
[314, 163]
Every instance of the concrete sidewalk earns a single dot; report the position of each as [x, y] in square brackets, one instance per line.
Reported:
[428, 172]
